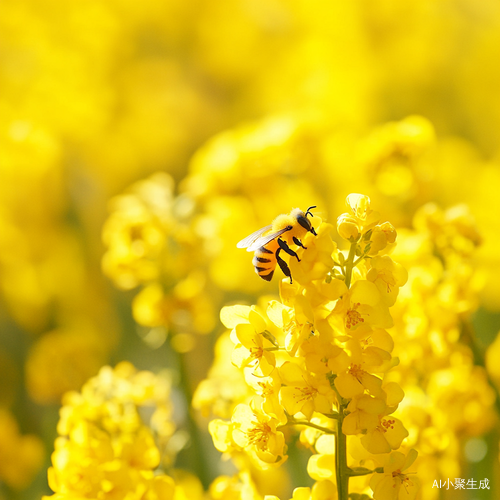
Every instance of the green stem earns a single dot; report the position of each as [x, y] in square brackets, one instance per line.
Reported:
[359, 259]
[343, 472]
[293, 421]
[354, 473]
[335, 415]
[197, 457]
[349, 265]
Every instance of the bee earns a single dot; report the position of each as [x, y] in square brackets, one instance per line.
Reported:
[269, 241]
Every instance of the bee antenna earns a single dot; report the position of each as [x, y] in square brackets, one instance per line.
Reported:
[308, 211]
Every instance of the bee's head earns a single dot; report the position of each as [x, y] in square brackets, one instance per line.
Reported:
[304, 221]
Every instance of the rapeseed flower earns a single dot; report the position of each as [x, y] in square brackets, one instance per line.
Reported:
[253, 107]
[105, 449]
[324, 350]
[395, 482]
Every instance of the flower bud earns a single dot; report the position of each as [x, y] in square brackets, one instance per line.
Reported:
[382, 235]
[347, 227]
[359, 204]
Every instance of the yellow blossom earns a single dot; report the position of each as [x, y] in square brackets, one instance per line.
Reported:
[347, 227]
[359, 207]
[360, 310]
[104, 448]
[388, 276]
[395, 482]
[304, 392]
[381, 236]
[257, 432]
[252, 349]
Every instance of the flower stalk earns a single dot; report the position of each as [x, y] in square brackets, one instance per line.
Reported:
[323, 357]
[343, 471]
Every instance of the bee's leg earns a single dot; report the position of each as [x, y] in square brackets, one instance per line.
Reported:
[287, 249]
[283, 265]
[299, 243]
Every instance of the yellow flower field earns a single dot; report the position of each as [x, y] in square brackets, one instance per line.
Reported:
[150, 349]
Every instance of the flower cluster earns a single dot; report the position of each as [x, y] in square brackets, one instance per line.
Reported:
[319, 358]
[113, 436]
[151, 243]
[448, 394]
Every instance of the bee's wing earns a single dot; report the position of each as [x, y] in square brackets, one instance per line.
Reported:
[264, 240]
[249, 240]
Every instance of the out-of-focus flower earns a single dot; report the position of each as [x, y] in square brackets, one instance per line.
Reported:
[151, 243]
[62, 360]
[224, 386]
[395, 156]
[435, 349]
[21, 455]
[105, 447]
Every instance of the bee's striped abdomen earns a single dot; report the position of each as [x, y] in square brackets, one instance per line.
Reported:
[264, 261]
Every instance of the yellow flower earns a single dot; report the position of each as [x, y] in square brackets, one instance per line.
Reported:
[309, 436]
[62, 360]
[355, 380]
[257, 432]
[221, 432]
[387, 435]
[364, 414]
[322, 357]
[322, 465]
[395, 483]
[359, 208]
[360, 310]
[304, 392]
[136, 232]
[321, 490]
[225, 386]
[237, 487]
[105, 450]
[251, 349]
[317, 261]
[175, 310]
[388, 276]
[267, 390]
[330, 354]
[348, 228]
[381, 236]
[295, 320]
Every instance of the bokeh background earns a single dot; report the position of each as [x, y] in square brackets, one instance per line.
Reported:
[141, 140]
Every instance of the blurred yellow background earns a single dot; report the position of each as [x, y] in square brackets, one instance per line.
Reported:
[141, 140]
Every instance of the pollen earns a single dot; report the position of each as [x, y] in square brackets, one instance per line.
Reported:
[353, 317]
[385, 425]
[356, 371]
[306, 393]
[366, 342]
[259, 435]
[405, 480]
[256, 352]
[266, 389]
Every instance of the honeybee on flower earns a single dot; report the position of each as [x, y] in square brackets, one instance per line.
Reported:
[268, 242]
